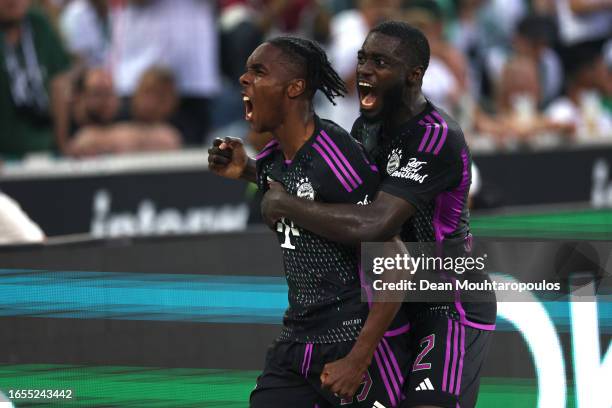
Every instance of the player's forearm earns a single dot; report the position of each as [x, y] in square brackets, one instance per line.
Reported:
[379, 319]
[249, 172]
[345, 223]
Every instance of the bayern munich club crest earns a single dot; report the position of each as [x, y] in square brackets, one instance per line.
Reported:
[305, 189]
[394, 160]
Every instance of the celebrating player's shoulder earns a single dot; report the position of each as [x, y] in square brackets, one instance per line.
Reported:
[341, 158]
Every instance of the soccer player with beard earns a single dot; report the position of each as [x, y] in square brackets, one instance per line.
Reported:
[425, 166]
[318, 161]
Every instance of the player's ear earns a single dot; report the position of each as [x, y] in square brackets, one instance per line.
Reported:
[296, 88]
[414, 75]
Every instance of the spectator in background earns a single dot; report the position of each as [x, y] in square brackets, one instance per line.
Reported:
[149, 125]
[94, 100]
[85, 27]
[582, 107]
[518, 93]
[534, 37]
[180, 35]
[583, 20]
[32, 87]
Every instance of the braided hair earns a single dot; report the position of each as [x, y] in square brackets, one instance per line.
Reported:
[310, 57]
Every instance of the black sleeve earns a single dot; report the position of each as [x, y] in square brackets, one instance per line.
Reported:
[343, 172]
[419, 176]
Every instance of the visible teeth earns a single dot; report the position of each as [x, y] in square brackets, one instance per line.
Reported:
[365, 84]
[246, 98]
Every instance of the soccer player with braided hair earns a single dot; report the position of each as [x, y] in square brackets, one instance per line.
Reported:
[316, 160]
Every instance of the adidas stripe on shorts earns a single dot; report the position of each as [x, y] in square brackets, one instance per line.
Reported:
[292, 370]
[447, 359]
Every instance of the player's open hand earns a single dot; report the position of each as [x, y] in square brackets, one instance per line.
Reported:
[227, 157]
[343, 377]
[270, 203]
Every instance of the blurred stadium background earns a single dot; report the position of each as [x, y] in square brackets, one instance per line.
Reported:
[133, 276]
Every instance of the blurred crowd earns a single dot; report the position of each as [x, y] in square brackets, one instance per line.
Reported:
[90, 77]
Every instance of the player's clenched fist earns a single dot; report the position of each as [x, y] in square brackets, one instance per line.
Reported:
[227, 157]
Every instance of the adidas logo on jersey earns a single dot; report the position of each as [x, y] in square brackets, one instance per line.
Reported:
[378, 405]
[425, 385]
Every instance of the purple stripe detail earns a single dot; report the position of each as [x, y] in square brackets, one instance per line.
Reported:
[435, 135]
[449, 205]
[342, 157]
[288, 162]
[385, 358]
[421, 122]
[373, 168]
[461, 355]
[383, 375]
[309, 359]
[449, 333]
[267, 149]
[264, 154]
[424, 139]
[332, 167]
[464, 320]
[444, 132]
[335, 158]
[391, 355]
[398, 331]
[455, 355]
[304, 359]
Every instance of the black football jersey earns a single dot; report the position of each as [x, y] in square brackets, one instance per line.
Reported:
[427, 162]
[323, 276]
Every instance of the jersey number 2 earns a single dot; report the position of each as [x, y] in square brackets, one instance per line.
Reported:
[429, 342]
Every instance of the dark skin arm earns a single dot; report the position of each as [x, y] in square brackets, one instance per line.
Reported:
[343, 377]
[227, 158]
[344, 223]
[350, 224]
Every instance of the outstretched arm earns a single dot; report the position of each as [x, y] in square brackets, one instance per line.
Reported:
[345, 223]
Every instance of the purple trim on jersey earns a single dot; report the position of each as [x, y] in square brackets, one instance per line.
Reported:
[335, 159]
[449, 334]
[332, 167]
[400, 330]
[455, 355]
[306, 361]
[385, 359]
[463, 318]
[383, 375]
[288, 162]
[424, 139]
[444, 132]
[309, 359]
[462, 351]
[267, 149]
[342, 157]
[391, 355]
[449, 205]
[435, 135]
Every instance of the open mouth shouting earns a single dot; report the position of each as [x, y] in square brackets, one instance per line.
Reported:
[248, 107]
[367, 96]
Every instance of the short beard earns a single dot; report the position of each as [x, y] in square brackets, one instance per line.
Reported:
[392, 100]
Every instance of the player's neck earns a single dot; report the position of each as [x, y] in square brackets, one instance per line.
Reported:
[294, 132]
[413, 104]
